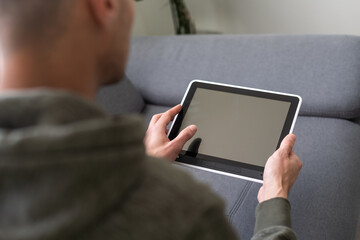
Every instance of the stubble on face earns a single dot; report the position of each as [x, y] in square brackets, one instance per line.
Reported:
[113, 62]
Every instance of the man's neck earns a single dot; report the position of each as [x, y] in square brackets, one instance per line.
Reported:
[29, 69]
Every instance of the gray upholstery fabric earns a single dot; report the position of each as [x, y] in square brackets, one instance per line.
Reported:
[326, 200]
[357, 120]
[324, 70]
[120, 98]
[151, 110]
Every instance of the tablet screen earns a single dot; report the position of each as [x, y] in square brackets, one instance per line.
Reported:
[235, 127]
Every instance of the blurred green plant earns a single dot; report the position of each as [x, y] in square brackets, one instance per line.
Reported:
[183, 23]
[181, 16]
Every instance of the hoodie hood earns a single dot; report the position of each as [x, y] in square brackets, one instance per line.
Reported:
[61, 157]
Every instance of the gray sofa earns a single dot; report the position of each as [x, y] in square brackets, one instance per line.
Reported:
[324, 70]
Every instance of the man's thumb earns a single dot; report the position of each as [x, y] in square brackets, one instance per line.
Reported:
[288, 143]
[185, 135]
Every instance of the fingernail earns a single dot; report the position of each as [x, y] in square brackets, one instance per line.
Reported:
[193, 128]
[293, 137]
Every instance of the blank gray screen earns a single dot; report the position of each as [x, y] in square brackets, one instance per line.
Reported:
[236, 127]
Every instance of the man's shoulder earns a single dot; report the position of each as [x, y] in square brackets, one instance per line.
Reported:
[179, 183]
[166, 202]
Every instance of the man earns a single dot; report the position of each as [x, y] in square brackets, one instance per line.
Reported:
[69, 171]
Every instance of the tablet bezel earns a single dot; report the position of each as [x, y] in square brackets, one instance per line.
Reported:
[224, 166]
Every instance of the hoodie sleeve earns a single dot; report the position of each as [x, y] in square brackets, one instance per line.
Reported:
[272, 223]
[273, 220]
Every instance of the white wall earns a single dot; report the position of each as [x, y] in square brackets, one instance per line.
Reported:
[153, 17]
[255, 16]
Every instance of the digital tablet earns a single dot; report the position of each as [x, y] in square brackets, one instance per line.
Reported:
[239, 128]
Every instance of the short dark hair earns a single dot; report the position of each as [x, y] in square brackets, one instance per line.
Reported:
[31, 20]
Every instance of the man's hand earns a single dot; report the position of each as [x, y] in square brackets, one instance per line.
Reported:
[281, 171]
[156, 141]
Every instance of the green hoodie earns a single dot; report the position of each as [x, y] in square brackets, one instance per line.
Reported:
[70, 171]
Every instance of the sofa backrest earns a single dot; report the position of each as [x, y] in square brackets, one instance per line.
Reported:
[120, 98]
[324, 70]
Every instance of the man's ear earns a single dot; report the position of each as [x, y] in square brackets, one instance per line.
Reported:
[102, 11]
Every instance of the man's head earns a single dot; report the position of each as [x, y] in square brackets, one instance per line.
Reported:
[67, 37]
[33, 21]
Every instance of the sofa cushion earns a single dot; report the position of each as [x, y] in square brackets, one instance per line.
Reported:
[150, 110]
[357, 120]
[324, 70]
[120, 98]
